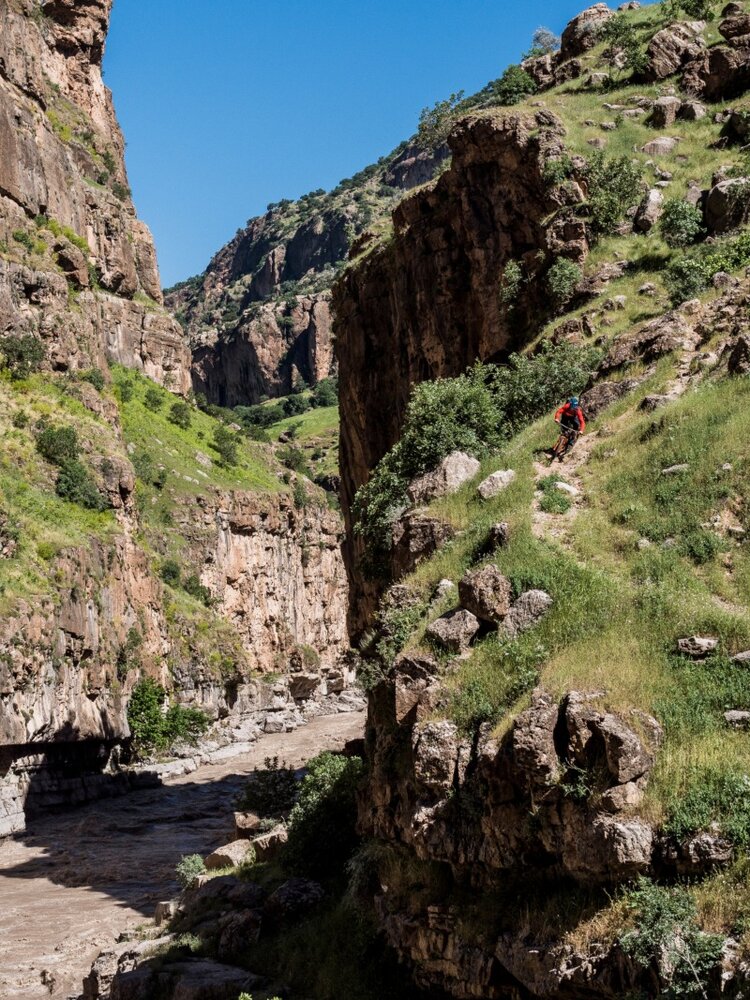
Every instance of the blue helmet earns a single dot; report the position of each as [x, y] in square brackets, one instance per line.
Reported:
[573, 400]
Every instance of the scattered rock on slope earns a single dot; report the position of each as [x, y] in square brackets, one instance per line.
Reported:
[454, 470]
[485, 592]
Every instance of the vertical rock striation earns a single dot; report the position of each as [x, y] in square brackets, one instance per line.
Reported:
[67, 223]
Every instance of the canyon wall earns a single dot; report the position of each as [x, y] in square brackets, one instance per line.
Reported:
[68, 230]
[427, 303]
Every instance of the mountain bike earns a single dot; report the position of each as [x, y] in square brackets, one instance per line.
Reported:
[566, 440]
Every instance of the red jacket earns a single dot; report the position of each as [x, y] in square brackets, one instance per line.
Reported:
[569, 414]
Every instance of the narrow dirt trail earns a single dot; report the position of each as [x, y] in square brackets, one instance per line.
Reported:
[544, 525]
[75, 881]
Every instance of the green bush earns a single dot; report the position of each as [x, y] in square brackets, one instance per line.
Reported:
[474, 412]
[170, 572]
[322, 833]
[75, 484]
[21, 355]
[685, 279]
[713, 797]
[58, 444]
[271, 789]
[124, 390]
[326, 392]
[681, 223]
[225, 443]
[622, 38]
[20, 419]
[293, 458]
[614, 184]
[435, 123]
[95, 377]
[562, 279]
[667, 939]
[179, 414]
[192, 585]
[189, 867]
[510, 284]
[513, 86]
[295, 405]
[153, 728]
[153, 400]
[553, 501]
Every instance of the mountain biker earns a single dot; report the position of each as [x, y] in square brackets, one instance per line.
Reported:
[570, 416]
[571, 419]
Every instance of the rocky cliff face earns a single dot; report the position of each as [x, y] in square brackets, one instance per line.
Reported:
[259, 318]
[277, 577]
[427, 303]
[67, 224]
[78, 272]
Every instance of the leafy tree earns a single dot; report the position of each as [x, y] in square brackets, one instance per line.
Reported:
[622, 38]
[511, 282]
[685, 279]
[189, 867]
[614, 183]
[544, 41]
[179, 414]
[294, 405]
[435, 122]
[170, 572]
[153, 400]
[75, 484]
[225, 442]
[513, 86]
[322, 834]
[326, 392]
[151, 728]
[681, 223]
[95, 377]
[562, 279]
[58, 444]
[22, 355]
[193, 586]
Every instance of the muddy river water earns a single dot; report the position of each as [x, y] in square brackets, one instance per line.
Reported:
[76, 880]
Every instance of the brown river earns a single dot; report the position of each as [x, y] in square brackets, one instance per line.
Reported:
[74, 881]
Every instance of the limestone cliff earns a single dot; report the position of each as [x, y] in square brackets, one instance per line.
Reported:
[67, 224]
[427, 303]
[259, 319]
[85, 614]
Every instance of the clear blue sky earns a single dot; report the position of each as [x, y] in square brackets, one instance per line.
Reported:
[227, 105]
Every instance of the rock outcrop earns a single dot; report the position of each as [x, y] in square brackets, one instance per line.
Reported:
[463, 807]
[66, 218]
[426, 304]
[258, 319]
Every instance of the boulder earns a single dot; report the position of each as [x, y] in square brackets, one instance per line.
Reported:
[697, 647]
[672, 48]
[604, 394]
[192, 979]
[698, 855]
[416, 536]
[721, 72]
[164, 911]
[496, 483]
[662, 146]
[439, 756]
[295, 897]
[533, 740]
[738, 362]
[627, 758]
[246, 824]
[667, 333]
[230, 855]
[727, 205]
[525, 613]
[676, 470]
[692, 111]
[414, 686]
[649, 211]
[455, 470]
[454, 631]
[737, 719]
[582, 33]
[485, 592]
[664, 111]
[623, 798]
[743, 657]
[268, 845]
[235, 932]
[735, 29]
